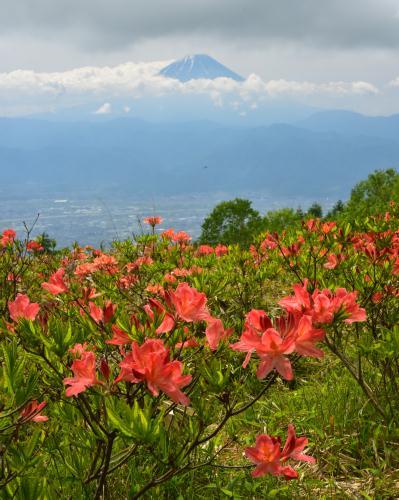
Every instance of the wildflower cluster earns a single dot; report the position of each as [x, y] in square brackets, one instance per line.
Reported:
[137, 354]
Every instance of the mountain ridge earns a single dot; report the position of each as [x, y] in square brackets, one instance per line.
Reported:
[162, 158]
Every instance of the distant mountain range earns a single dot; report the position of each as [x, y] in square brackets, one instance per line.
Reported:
[348, 122]
[322, 156]
[198, 66]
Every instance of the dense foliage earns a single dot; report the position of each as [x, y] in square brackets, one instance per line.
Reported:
[164, 367]
[230, 222]
[236, 221]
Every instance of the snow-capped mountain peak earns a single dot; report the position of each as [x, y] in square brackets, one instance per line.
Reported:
[198, 66]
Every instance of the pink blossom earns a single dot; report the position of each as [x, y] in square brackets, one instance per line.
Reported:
[150, 363]
[84, 370]
[22, 307]
[56, 283]
[32, 412]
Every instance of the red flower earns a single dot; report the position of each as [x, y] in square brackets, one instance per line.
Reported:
[21, 307]
[306, 336]
[271, 350]
[167, 323]
[168, 234]
[109, 311]
[259, 336]
[181, 237]
[248, 343]
[205, 250]
[120, 337]
[103, 315]
[150, 363]
[106, 263]
[56, 283]
[332, 261]
[32, 412]
[377, 297]
[327, 227]
[140, 261]
[7, 238]
[294, 446]
[191, 342]
[221, 250]
[84, 370]
[96, 313]
[153, 221]
[189, 303]
[324, 306]
[105, 369]
[269, 243]
[85, 269]
[34, 246]
[322, 309]
[259, 320]
[169, 278]
[300, 302]
[156, 289]
[180, 272]
[215, 332]
[312, 224]
[272, 343]
[269, 459]
[266, 455]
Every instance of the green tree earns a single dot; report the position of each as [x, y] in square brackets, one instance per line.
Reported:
[278, 220]
[231, 222]
[338, 208]
[299, 212]
[372, 195]
[315, 210]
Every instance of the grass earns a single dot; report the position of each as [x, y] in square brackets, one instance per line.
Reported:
[352, 460]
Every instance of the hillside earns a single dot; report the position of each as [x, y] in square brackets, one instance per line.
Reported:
[194, 156]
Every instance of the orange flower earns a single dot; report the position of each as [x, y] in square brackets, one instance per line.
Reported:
[189, 303]
[84, 370]
[32, 412]
[22, 307]
[153, 221]
[56, 283]
[150, 363]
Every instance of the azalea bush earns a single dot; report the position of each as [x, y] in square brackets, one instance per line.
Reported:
[323, 256]
[128, 369]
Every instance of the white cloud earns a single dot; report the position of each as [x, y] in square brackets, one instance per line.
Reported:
[105, 109]
[136, 80]
[142, 78]
[278, 87]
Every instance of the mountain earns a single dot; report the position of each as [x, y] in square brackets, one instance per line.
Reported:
[198, 66]
[138, 157]
[350, 123]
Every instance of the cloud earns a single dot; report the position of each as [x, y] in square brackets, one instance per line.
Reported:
[279, 87]
[124, 84]
[105, 109]
[104, 25]
[142, 79]
[124, 77]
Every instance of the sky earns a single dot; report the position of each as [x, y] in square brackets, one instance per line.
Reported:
[327, 54]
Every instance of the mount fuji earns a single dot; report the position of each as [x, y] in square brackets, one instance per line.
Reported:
[198, 66]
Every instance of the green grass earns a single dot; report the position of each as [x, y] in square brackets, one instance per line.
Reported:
[353, 460]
